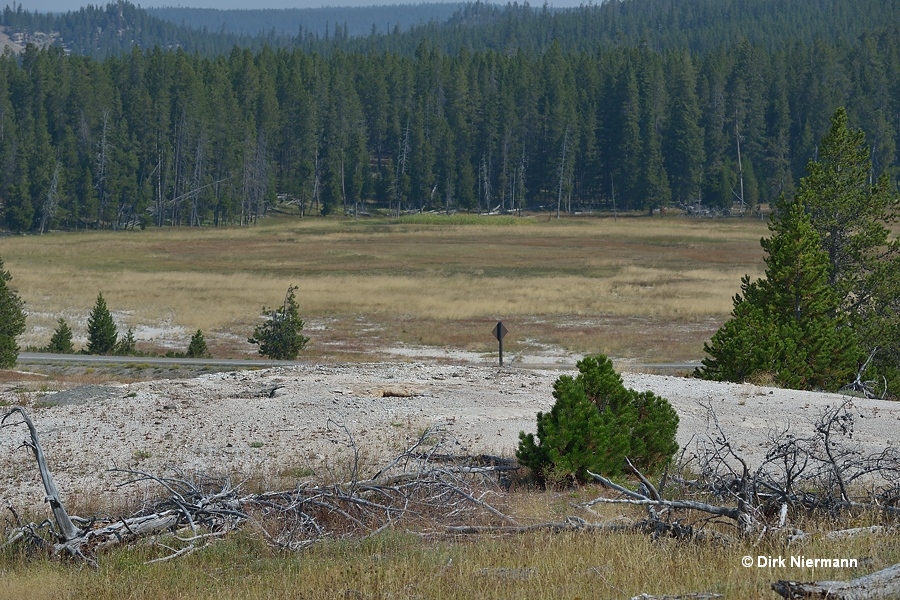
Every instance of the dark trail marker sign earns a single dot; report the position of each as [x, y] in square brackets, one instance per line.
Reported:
[500, 332]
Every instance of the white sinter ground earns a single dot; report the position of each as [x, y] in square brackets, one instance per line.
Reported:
[287, 422]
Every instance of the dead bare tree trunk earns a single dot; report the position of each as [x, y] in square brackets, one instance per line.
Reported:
[197, 183]
[562, 170]
[51, 202]
[401, 167]
[102, 168]
[67, 530]
[521, 181]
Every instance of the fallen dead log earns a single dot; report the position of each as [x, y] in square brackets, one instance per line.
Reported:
[745, 521]
[192, 512]
[570, 524]
[875, 586]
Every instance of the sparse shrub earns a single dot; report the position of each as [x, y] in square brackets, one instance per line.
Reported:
[61, 341]
[595, 423]
[279, 337]
[102, 332]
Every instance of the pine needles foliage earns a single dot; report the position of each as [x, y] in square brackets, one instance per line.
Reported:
[831, 294]
[595, 423]
[788, 325]
[853, 212]
[61, 341]
[102, 332]
[126, 346]
[279, 337]
[197, 348]
[12, 320]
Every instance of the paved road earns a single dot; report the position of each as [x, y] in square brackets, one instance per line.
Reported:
[40, 357]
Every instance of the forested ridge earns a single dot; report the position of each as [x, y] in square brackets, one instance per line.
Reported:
[696, 25]
[163, 136]
[349, 21]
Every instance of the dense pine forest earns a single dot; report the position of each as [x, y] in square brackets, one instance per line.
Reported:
[632, 106]
[282, 25]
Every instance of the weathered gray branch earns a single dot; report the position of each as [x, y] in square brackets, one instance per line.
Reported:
[875, 586]
[745, 521]
[66, 529]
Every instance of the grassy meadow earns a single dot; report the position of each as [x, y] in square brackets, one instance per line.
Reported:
[644, 289]
[649, 289]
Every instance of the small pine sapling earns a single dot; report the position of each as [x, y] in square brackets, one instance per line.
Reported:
[61, 341]
[279, 337]
[197, 348]
[126, 345]
[102, 332]
[12, 320]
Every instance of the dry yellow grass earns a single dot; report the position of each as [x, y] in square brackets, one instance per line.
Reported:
[394, 564]
[168, 283]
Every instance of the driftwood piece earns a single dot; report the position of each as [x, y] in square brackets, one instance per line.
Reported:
[66, 529]
[744, 520]
[875, 586]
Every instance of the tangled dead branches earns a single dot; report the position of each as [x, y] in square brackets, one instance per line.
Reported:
[422, 485]
[826, 472]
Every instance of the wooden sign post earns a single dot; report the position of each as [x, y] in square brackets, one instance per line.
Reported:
[500, 332]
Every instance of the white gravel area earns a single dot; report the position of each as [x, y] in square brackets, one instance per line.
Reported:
[289, 422]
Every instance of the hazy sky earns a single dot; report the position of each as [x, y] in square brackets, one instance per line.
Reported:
[67, 5]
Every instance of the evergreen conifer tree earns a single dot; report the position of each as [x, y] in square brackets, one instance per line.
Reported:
[126, 345]
[595, 423]
[102, 332]
[12, 320]
[197, 347]
[788, 325]
[851, 212]
[279, 337]
[61, 342]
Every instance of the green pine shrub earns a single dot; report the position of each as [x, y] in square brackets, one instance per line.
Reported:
[127, 345]
[595, 423]
[12, 320]
[102, 332]
[197, 348]
[279, 338]
[61, 341]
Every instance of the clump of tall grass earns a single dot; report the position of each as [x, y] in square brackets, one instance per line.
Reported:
[396, 563]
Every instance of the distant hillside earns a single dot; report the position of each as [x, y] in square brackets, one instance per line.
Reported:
[322, 22]
[658, 25]
[501, 108]
[100, 31]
